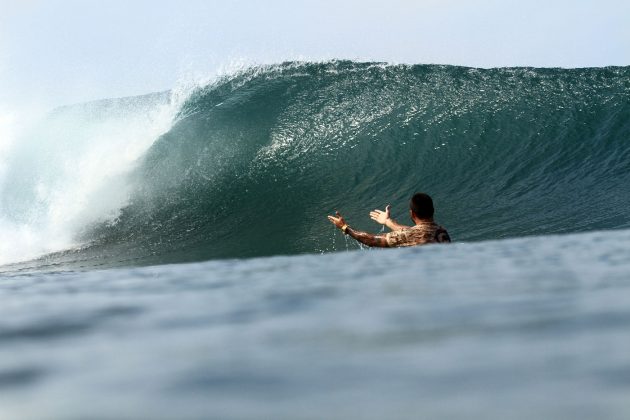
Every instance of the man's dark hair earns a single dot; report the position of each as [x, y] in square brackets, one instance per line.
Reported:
[422, 205]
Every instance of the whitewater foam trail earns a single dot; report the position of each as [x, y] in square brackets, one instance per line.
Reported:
[70, 170]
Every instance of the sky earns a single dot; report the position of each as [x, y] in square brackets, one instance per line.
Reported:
[57, 52]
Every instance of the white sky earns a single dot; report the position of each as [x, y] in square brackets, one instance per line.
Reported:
[55, 52]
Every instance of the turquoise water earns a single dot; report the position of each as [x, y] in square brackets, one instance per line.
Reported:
[168, 256]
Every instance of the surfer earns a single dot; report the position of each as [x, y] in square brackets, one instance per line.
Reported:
[424, 231]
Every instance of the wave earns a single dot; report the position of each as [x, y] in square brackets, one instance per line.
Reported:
[70, 171]
[255, 161]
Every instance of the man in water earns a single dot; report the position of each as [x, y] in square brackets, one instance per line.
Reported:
[424, 231]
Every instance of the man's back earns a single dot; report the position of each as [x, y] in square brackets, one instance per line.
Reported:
[422, 233]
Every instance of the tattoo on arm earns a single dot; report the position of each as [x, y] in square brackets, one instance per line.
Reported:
[394, 225]
[368, 239]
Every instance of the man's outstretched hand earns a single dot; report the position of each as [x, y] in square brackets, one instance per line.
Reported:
[380, 216]
[337, 220]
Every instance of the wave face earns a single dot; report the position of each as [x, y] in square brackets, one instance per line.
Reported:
[255, 161]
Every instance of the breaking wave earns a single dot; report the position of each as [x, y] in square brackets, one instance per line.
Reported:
[251, 164]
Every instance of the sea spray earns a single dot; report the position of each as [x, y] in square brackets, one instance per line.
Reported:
[69, 171]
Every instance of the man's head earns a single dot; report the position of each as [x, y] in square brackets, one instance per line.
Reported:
[421, 206]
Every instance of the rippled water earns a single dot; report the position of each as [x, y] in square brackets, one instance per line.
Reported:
[531, 328]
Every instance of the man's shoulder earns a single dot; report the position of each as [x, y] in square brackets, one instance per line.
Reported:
[441, 235]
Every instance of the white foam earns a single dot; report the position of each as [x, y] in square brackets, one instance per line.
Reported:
[7, 136]
[70, 171]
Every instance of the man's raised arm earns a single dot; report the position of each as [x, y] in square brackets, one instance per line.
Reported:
[384, 218]
[363, 237]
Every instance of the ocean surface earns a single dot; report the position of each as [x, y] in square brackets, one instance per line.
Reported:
[168, 256]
